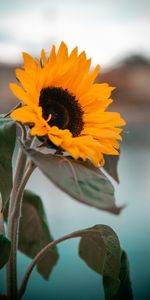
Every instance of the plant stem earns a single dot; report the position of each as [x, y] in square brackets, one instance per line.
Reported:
[16, 106]
[43, 251]
[11, 267]
[14, 219]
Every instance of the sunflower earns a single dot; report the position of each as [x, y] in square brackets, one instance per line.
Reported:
[63, 104]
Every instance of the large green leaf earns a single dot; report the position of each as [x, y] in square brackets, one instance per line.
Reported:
[101, 251]
[34, 233]
[119, 289]
[103, 254]
[111, 164]
[81, 180]
[5, 246]
[7, 144]
[99, 248]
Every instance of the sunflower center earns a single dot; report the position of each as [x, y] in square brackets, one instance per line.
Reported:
[65, 110]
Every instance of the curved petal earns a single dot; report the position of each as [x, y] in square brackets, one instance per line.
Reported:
[25, 114]
[20, 93]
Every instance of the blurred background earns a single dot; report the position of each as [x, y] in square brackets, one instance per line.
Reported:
[116, 35]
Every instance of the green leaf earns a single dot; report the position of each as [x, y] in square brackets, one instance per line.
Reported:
[119, 289]
[111, 164]
[101, 251]
[34, 233]
[7, 144]
[5, 246]
[81, 180]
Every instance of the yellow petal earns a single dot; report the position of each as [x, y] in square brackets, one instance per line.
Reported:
[28, 61]
[19, 93]
[24, 79]
[56, 140]
[104, 117]
[87, 82]
[98, 133]
[38, 130]
[62, 55]
[52, 57]
[74, 53]
[24, 114]
[43, 58]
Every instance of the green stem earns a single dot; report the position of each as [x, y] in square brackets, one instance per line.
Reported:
[13, 221]
[11, 266]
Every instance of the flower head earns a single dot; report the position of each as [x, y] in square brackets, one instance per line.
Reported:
[63, 103]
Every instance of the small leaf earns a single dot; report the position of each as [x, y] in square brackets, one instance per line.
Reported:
[81, 180]
[119, 289]
[5, 246]
[34, 233]
[101, 251]
[111, 164]
[7, 144]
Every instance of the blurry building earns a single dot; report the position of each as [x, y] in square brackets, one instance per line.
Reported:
[7, 99]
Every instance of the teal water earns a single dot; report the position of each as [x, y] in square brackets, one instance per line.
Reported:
[71, 278]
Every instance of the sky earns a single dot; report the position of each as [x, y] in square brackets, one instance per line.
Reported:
[107, 30]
